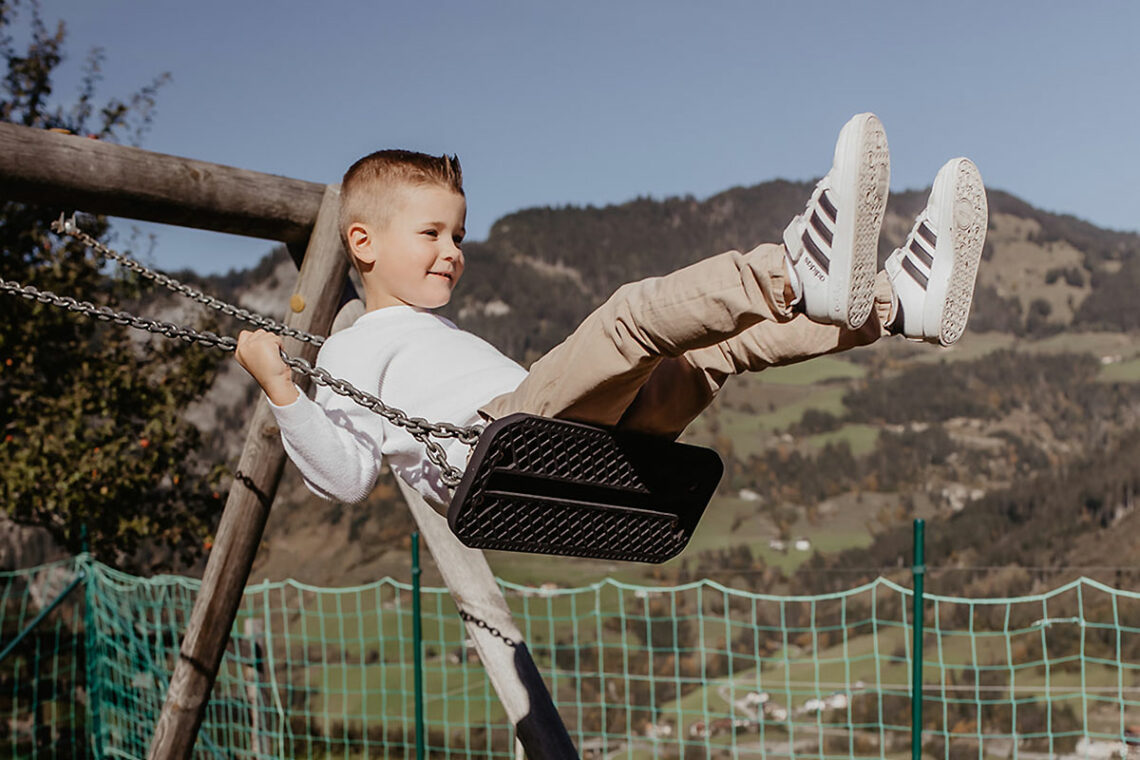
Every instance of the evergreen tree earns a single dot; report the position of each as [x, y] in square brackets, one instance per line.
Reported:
[94, 445]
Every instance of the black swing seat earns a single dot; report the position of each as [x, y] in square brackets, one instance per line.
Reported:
[546, 486]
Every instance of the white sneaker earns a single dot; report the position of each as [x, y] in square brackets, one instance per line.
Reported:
[833, 245]
[933, 274]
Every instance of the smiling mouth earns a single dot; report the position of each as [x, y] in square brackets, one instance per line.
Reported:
[446, 275]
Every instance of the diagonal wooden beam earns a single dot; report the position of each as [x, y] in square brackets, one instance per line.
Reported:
[247, 508]
[505, 656]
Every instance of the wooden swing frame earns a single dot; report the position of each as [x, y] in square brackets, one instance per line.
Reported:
[37, 166]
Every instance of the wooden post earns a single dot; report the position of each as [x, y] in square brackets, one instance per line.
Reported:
[247, 508]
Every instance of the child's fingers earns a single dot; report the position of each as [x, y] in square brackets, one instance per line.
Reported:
[258, 337]
[259, 351]
[272, 339]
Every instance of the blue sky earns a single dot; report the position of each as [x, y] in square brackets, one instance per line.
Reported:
[600, 102]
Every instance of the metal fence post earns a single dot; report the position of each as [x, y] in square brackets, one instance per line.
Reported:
[919, 572]
[418, 645]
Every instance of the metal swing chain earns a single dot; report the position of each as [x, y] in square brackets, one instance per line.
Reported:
[420, 429]
[68, 227]
[107, 314]
[467, 617]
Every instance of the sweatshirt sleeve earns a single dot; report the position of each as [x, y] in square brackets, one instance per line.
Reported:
[337, 462]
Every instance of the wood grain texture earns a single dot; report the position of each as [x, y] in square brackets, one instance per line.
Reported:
[247, 508]
[505, 657]
[78, 173]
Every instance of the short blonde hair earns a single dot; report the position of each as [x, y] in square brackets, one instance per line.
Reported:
[365, 191]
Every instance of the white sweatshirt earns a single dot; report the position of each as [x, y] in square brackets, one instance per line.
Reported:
[413, 360]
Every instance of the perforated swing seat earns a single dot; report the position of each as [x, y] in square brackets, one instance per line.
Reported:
[547, 486]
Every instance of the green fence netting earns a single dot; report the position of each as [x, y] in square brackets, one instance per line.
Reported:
[697, 670]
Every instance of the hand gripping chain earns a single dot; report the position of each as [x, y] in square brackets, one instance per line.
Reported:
[419, 428]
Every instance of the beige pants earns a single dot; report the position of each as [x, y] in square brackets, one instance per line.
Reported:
[654, 355]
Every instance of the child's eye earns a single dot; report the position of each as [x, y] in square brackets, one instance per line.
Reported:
[458, 240]
[432, 233]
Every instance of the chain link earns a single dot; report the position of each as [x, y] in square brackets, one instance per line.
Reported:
[68, 227]
[419, 428]
[467, 617]
[107, 314]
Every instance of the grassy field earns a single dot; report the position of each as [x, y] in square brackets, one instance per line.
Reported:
[344, 690]
[1095, 343]
[861, 438]
[752, 431]
[457, 695]
[872, 659]
[880, 664]
[818, 370]
[1121, 372]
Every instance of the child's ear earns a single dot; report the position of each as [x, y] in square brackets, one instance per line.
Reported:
[360, 243]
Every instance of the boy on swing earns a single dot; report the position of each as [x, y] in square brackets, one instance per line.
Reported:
[651, 357]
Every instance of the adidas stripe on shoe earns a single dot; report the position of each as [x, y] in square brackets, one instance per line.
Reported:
[933, 273]
[833, 244]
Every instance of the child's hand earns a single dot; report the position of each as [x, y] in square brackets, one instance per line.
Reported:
[259, 353]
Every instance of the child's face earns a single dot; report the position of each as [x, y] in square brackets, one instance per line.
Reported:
[415, 255]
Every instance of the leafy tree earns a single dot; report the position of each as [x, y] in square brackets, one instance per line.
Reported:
[94, 445]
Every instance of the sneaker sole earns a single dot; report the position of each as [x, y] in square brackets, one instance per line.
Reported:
[970, 216]
[854, 296]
